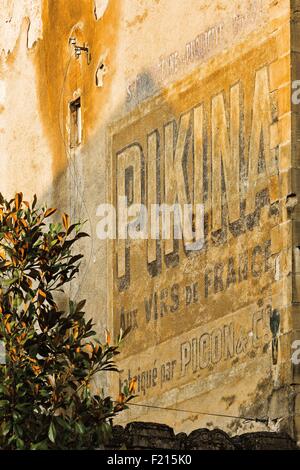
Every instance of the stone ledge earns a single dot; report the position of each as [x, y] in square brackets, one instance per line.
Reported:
[152, 436]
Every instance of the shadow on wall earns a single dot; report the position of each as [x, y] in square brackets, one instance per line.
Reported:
[61, 79]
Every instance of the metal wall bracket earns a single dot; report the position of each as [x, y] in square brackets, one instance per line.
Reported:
[79, 49]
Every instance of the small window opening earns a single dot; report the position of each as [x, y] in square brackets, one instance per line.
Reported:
[75, 123]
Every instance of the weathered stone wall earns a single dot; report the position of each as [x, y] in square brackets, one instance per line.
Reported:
[212, 331]
[192, 98]
[293, 174]
[150, 436]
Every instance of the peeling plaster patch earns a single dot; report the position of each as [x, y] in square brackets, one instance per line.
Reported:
[35, 25]
[100, 8]
[12, 13]
[101, 70]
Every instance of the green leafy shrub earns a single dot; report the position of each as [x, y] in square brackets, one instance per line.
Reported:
[52, 355]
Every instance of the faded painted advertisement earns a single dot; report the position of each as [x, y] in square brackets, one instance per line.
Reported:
[214, 142]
